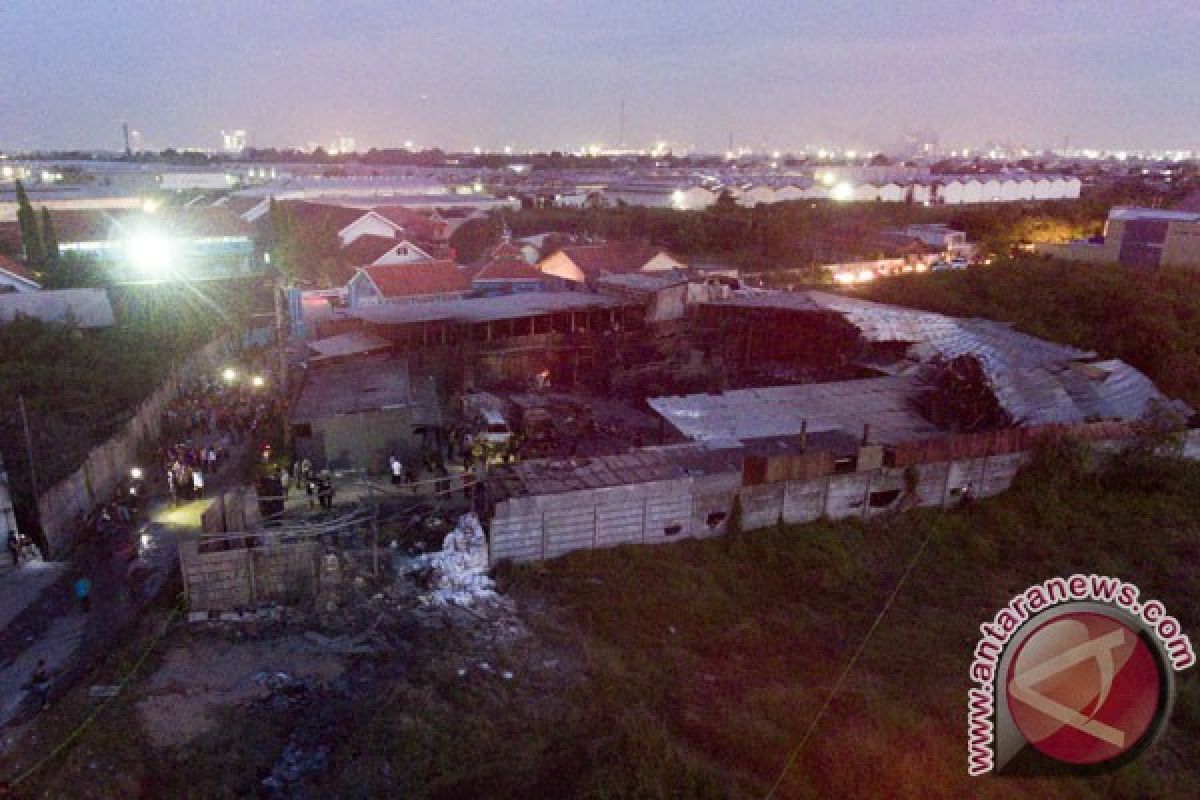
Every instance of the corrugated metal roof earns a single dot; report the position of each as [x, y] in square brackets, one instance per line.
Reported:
[1034, 380]
[84, 308]
[886, 404]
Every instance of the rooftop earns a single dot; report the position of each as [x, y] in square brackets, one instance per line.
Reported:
[554, 476]
[887, 404]
[84, 308]
[369, 384]
[485, 309]
[1131, 213]
[418, 279]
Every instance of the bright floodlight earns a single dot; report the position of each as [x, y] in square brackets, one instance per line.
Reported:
[230, 374]
[149, 251]
[843, 192]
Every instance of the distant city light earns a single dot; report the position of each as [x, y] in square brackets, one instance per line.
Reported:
[843, 192]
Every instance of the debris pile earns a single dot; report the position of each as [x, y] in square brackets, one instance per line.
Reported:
[457, 574]
[295, 764]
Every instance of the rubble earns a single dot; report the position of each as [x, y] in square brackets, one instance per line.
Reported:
[456, 575]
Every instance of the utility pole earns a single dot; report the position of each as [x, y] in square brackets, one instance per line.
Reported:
[28, 447]
[621, 129]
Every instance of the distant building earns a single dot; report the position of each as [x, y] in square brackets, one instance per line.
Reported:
[1138, 237]
[233, 141]
[191, 243]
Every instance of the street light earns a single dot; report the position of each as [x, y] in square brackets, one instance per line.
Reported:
[257, 381]
[135, 473]
[230, 374]
[150, 252]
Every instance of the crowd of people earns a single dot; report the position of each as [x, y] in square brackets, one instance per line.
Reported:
[202, 427]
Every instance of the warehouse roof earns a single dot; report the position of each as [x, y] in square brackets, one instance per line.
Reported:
[887, 404]
[485, 309]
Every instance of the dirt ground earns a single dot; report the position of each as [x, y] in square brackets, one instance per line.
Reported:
[201, 676]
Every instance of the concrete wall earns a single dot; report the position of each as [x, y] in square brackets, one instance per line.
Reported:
[244, 577]
[536, 528]
[62, 507]
[365, 439]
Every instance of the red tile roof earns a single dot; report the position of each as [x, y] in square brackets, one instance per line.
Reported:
[417, 279]
[613, 258]
[416, 224]
[367, 249]
[18, 269]
[507, 268]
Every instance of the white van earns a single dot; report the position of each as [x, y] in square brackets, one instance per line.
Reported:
[493, 428]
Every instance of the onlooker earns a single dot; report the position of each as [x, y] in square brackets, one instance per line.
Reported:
[83, 591]
[397, 471]
[39, 681]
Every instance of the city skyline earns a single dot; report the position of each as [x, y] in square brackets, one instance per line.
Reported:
[537, 75]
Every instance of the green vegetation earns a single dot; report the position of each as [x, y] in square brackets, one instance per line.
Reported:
[1151, 320]
[708, 660]
[305, 252]
[79, 387]
[31, 237]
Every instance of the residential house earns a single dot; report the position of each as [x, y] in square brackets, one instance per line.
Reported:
[507, 274]
[584, 265]
[417, 282]
[371, 250]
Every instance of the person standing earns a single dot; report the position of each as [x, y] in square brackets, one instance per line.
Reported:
[14, 549]
[39, 681]
[83, 591]
[397, 470]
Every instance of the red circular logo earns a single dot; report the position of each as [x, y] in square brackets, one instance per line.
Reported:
[1084, 688]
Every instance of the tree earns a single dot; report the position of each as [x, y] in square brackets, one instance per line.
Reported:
[49, 238]
[474, 237]
[31, 237]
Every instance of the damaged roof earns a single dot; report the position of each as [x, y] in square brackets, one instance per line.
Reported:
[886, 404]
[647, 465]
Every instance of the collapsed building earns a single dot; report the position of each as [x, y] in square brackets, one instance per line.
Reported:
[941, 409]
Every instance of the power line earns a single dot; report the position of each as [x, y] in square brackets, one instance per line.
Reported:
[837, 685]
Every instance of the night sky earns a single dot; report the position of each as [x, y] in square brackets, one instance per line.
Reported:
[550, 74]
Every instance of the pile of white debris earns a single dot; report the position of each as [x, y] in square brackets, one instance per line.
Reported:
[457, 574]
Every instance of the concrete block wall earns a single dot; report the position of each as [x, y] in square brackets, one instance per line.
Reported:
[227, 579]
[61, 507]
[534, 528]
